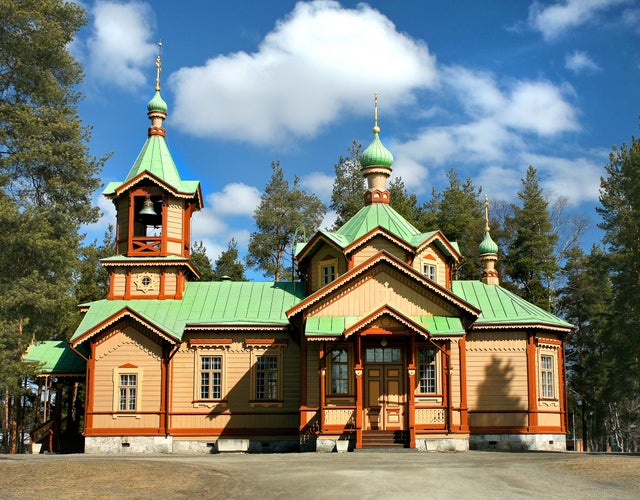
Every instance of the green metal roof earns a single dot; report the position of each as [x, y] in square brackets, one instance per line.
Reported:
[55, 357]
[205, 303]
[371, 216]
[502, 307]
[334, 326]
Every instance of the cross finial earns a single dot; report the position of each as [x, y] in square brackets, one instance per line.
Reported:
[486, 213]
[376, 129]
[158, 66]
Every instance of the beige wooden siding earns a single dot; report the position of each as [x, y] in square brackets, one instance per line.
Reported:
[122, 220]
[170, 281]
[375, 246]
[549, 420]
[174, 218]
[324, 254]
[119, 277]
[497, 372]
[381, 289]
[189, 412]
[127, 347]
[498, 419]
[455, 372]
[174, 248]
[432, 255]
[313, 374]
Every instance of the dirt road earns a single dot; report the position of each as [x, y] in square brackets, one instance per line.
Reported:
[310, 475]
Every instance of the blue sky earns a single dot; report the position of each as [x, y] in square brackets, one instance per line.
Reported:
[487, 88]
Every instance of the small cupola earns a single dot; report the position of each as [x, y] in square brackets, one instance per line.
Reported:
[157, 107]
[488, 250]
[376, 161]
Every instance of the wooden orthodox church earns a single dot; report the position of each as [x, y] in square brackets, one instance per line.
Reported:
[378, 346]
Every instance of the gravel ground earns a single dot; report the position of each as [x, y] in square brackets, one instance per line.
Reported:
[407, 474]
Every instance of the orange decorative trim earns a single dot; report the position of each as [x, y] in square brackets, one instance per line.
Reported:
[462, 353]
[210, 342]
[128, 365]
[272, 342]
[532, 382]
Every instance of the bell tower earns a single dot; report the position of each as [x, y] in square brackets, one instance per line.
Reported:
[153, 218]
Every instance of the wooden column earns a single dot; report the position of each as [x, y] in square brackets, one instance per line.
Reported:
[531, 383]
[464, 408]
[411, 389]
[91, 367]
[359, 391]
[323, 384]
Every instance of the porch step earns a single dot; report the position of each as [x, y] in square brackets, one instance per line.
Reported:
[385, 439]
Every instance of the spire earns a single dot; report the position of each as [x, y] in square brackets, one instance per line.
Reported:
[376, 163]
[488, 250]
[157, 107]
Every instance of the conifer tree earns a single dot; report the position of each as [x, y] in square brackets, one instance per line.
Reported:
[620, 212]
[530, 263]
[47, 178]
[201, 260]
[282, 212]
[228, 264]
[347, 196]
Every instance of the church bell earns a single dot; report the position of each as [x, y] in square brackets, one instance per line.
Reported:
[147, 209]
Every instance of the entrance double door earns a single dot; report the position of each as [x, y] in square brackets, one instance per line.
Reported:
[385, 395]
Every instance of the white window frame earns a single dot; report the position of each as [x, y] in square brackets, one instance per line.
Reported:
[211, 372]
[213, 349]
[435, 364]
[332, 374]
[430, 270]
[547, 376]
[117, 373]
[257, 352]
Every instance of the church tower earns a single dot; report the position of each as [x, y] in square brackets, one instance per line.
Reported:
[153, 219]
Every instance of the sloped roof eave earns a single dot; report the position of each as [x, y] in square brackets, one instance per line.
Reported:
[448, 295]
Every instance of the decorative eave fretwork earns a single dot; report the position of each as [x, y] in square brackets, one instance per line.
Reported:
[146, 175]
[524, 325]
[387, 311]
[383, 258]
[125, 313]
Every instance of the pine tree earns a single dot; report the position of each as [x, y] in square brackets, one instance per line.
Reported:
[530, 263]
[404, 203]
[457, 212]
[620, 212]
[282, 211]
[47, 177]
[201, 260]
[347, 196]
[228, 264]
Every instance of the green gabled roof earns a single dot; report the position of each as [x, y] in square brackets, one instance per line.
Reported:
[371, 216]
[156, 159]
[500, 307]
[204, 304]
[334, 326]
[55, 357]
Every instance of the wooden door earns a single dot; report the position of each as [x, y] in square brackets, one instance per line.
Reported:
[385, 399]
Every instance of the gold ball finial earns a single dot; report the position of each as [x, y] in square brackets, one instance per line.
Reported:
[158, 66]
[376, 129]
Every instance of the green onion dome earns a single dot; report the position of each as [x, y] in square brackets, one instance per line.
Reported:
[488, 246]
[157, 103]
[376, 154]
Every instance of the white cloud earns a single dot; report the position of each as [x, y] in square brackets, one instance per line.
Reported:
[320, 61]
[320, 184]
[580, 62]
[553, 20]
[576, 178]
[538, 107]
[96, 230]
[119, 45]
[236, 198]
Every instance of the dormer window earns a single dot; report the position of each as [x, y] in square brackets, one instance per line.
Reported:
[328, 273]
[429, 270]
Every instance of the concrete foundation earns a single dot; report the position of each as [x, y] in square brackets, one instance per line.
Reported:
[443, 444]
[519, 442]
[128, 444]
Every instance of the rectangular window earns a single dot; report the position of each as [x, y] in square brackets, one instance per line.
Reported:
[211, 377]
[546, 376]
[429, 270]
[128, 391]
[339, 371]
[383, 354]
[267, 378]
[427, 371]
[328, 274]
